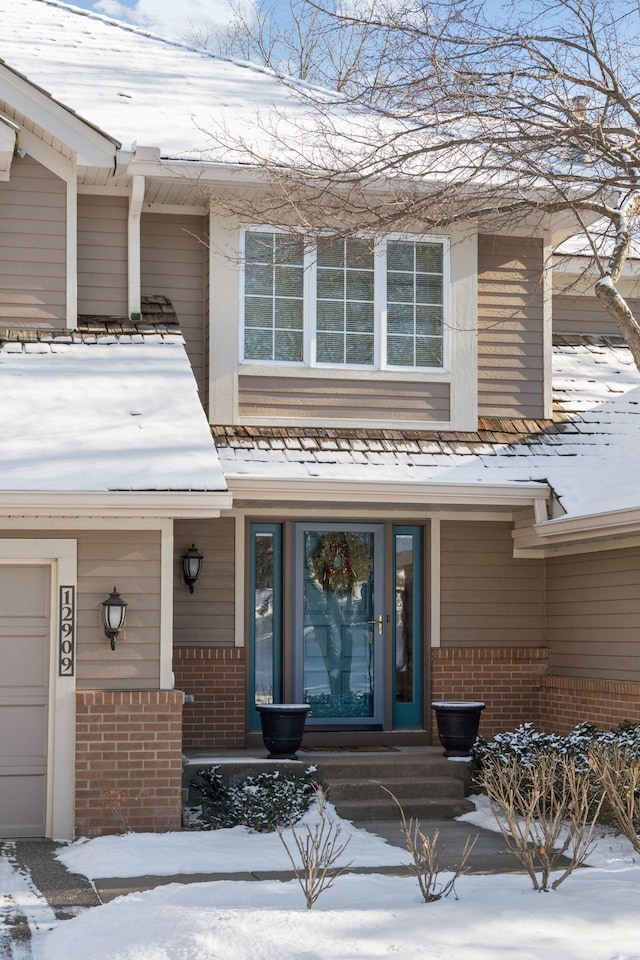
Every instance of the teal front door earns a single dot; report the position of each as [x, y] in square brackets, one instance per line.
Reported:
[339, 622]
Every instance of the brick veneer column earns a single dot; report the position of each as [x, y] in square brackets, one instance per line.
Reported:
[128, 760]
[567, 701]
[216, 677]
[507, 679]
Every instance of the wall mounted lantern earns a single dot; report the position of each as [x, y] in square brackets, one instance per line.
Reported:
[114, 611]
[191, 566]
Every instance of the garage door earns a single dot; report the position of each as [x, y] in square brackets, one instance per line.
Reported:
[24, 696]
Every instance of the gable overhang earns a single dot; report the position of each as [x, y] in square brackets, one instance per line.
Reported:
[8, 142]
[260, 491]
[590, 533]
[91, 146]
[142, 504]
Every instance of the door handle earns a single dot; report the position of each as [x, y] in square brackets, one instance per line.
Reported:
[380, 621]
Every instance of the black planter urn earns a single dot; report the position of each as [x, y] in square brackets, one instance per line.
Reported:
[283, 728]
[458, 722]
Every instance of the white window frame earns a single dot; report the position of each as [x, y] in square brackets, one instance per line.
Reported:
[309, 315]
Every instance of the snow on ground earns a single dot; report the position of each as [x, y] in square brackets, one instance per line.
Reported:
[214, 851]
[594, 915]
[24, 913]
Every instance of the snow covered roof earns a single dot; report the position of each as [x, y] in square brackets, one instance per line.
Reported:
[133, 85]
[82, 412]
[589, 454]
[602, 234]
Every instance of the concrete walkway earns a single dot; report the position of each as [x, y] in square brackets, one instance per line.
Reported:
[488, 856]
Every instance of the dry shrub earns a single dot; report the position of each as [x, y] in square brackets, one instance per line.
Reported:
[618, 771]
[425, 857]
[319, 849]
[545, 809]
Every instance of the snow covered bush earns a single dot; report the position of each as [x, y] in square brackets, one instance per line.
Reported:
[261, 803]
[525, 745]
[617, 768]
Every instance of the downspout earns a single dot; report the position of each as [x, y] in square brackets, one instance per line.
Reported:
[136, 199]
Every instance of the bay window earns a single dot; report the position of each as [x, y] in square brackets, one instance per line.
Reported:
[347, 302]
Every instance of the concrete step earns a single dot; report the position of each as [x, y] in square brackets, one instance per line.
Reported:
[441, 808]
[402, 788]
[396, 767]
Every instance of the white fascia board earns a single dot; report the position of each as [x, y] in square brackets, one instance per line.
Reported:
[8, 139]
[389, 492]
[139, 503]
[92, 146]
[596, 525]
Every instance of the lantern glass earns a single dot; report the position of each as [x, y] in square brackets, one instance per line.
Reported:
[114, 610]
[192, 566]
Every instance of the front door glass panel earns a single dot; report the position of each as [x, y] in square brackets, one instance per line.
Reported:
[339, 622]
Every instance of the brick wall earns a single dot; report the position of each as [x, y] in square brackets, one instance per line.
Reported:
[216, 678]
[507, 679]
[567, 701]
[128, 760]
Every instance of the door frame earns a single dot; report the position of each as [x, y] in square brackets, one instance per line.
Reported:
[61, 557]
[377, 528]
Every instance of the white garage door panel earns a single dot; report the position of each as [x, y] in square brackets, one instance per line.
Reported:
[22, 805]
[24, 698]
[21, 656]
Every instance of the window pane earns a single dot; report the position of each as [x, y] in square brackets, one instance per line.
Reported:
[359, 317]
[400, 351]
[359, 284]
[400, 319]
[429, 321]
[330, 315]
[330, 253]
[258, 247]
[288, 281]
[258, 280]
[263, 578]
[258, 344]
[400, 255]
[415, 298]
[345, 275]
[258, 312]
[330, 284]
[428, 352]
[400, 288]
[330, 347]
[273, 297]
[429, 257]
[288, 314]
[359, 254]
[429, 289]
[289, 249]
[288, 345]
[359, 349]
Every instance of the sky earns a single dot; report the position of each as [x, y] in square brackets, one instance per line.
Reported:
[166, 17]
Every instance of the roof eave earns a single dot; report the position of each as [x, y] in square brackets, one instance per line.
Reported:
[164, 504]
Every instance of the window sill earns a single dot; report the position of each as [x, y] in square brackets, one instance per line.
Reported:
[344, 373]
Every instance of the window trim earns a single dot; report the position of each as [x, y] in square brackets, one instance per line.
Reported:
[380, 366]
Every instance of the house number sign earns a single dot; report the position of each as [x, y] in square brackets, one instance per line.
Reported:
[67, 632]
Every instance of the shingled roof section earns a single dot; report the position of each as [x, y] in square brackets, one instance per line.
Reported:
[589, 453]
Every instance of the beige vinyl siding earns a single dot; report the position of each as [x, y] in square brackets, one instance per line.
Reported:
[207, 616]
[488, 598]
[585, 314]
[102, 256]
[174, 264]
[130, 561]
[32, 248]
[593, 615]
[375, 400]
[510, 327]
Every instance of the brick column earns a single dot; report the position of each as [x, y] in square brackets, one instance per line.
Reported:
[216, 677]
[128, 761]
